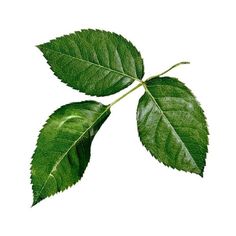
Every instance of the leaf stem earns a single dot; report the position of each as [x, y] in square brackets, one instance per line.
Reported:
[124, 95]
[142, 83]
[172, 67]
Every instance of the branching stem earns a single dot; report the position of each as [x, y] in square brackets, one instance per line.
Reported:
[124, 95]
[142, 83]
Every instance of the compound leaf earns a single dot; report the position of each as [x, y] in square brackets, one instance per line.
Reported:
[63, 147]
[94, 62]
[172, 125]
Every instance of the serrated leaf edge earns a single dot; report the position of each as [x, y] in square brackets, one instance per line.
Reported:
[150, 95]
[35, 201]
[118, 72]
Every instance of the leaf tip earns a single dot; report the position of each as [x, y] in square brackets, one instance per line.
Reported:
[36, 199]
[34, 203]
[39, 46]
[201, 174]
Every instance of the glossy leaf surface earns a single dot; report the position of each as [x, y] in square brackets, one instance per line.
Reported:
[172, 125]
[63, 147]
[94, 62]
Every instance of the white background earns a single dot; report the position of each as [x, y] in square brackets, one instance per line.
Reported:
[124, 190]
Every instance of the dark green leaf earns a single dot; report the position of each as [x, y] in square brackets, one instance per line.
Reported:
[172, 125]
[94, 62]
[63, 147]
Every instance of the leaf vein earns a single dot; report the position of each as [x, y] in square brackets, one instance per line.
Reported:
[94, 64]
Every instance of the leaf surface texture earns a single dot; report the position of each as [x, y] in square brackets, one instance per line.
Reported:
[63, 147]
[94, 62]
[172, 125]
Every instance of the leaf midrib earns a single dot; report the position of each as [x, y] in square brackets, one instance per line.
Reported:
[172, 127]
[64, 155]
[92, 63]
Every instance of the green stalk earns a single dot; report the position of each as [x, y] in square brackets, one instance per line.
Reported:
[124, 95]
[172, 67]
[142, 83]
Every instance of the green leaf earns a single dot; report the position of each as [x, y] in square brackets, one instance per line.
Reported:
[63, 147]
[94, 62]
[172, 125]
